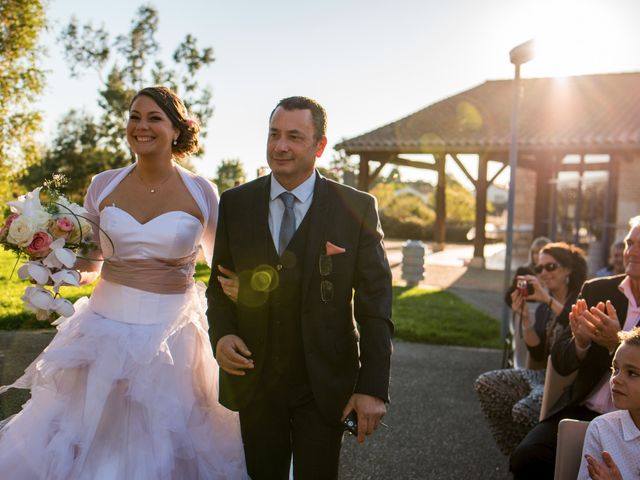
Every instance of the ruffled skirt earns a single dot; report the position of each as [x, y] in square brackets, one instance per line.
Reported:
[127, 389]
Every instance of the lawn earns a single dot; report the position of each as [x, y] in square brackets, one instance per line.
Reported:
[427, 316]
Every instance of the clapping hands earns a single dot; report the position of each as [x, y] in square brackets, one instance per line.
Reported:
[597, 324]
[607, 470]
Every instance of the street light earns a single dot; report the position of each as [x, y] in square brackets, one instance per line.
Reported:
[519, 55]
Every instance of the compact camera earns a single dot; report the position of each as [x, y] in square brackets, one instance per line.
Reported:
[525, 288]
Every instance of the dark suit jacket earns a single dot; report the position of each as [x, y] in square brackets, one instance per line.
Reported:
[340, 359]
[597, 360]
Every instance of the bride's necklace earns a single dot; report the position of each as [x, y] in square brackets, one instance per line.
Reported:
[157, 187]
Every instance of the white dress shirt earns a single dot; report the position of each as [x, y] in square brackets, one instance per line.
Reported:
[616, 433]
[304, 196]
[600, 399]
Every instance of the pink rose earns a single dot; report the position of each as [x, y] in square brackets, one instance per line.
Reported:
[61, 227]
[10, 219]
[65, 224]
[39, 246]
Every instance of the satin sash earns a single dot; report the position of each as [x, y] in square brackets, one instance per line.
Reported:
[155, 275]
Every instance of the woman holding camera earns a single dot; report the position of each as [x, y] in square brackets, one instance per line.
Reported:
[511, 398]
[517, 356]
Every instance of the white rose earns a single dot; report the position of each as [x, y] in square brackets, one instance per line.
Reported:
[21, 231]
[66, 205]
[40, 218]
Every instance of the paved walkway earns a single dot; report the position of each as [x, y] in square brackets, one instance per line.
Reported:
[436, 430]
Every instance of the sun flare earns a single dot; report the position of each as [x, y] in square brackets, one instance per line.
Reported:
[575, 36]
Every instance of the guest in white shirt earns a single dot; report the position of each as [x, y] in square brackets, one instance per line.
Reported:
[612, 445]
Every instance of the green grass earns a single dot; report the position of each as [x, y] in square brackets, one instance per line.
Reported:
[440, 317]
[427, 316]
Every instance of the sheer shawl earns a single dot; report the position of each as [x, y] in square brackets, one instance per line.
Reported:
[203, 192]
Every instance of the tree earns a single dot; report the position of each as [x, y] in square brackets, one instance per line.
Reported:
[330, 174]
[394, 176]
[76, 153]
[230, 173]
[132, 62]
[461, 203]
[344, 168]
[21, 82]
[384, 193]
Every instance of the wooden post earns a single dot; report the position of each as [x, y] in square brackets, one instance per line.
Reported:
[541, 209]
[481, 213]
[553, 203]
[363, 175]
[439, 232]
[611, 202]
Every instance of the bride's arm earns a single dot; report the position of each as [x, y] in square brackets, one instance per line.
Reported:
[90, 264]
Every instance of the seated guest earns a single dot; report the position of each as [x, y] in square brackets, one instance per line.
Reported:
[511, 398]
[615, 437]
[605, 306]
[517, 344]
[615, 265]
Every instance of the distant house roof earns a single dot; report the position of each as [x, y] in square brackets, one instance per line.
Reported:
[581, 113]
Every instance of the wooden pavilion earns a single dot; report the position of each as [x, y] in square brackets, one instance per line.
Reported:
[579, 153]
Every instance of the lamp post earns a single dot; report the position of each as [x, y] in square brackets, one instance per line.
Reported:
[519, 55]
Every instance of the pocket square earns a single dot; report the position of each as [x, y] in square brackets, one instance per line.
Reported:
[334, 249]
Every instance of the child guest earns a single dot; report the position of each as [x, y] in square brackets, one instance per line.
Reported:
[612, 444]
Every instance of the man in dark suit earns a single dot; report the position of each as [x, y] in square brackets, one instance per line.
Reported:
[604, 307]
[309, 258]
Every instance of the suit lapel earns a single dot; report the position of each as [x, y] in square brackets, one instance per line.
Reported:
[260, 221]
[319, 215]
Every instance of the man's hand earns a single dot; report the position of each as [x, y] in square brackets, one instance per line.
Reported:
[233, 355]
[603, 471]
[370, 411]
[605, 325]
[230, 284]
[581, 329]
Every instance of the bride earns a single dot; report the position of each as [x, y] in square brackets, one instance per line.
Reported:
[127, 389]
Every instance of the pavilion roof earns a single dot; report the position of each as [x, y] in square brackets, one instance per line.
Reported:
[587, 113]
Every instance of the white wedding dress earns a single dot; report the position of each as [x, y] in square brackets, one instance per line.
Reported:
[127, 389]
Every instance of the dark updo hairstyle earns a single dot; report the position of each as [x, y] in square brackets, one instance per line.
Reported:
[571, 257]
[172, 106]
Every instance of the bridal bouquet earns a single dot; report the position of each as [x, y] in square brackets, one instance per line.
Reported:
[50, 236]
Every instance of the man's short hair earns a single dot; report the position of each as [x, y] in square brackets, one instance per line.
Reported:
[634, 222]
[318, 114]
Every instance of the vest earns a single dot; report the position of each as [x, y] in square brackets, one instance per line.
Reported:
[285, 360]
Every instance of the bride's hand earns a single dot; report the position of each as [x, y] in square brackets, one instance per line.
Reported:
[233, 355]
[229, 284]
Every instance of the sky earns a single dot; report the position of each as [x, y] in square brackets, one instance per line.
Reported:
[368, 62]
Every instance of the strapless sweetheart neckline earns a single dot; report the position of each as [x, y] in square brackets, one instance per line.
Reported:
[154, 218]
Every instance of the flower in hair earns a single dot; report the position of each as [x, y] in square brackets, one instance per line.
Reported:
[190, 122]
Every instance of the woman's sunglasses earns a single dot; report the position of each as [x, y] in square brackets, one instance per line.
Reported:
[549, 267]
